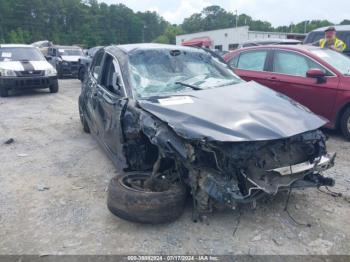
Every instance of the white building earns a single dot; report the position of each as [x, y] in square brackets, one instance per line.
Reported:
[230, 38]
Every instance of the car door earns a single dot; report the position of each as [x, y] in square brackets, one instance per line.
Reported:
[92, 90]
[111, 101]
[289, 77]
[251, 65]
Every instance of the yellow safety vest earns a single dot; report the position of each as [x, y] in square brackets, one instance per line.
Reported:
[338, 44]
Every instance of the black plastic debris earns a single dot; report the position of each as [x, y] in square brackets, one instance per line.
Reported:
[9, 141]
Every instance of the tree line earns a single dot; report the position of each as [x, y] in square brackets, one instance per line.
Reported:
[90, 23]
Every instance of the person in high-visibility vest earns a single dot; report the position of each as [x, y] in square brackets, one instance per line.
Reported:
[331, 40]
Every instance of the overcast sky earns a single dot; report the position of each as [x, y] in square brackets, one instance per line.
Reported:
[278, 12]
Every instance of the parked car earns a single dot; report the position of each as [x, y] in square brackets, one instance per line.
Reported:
[343, 33]
[84, 62]
[269, 41]
[174, 117]
[65, 59]
[317, 78]
[25, 67]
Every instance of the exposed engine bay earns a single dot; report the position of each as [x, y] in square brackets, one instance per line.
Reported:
[224, 173]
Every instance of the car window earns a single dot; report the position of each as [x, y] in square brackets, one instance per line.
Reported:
[254, 60]
[70, 52]
[234, 60]
[97, 64]
[335, 59]
[20, 54]
[291, 63]
[111, 77]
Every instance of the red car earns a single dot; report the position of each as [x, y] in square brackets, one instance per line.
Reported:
[317, 78]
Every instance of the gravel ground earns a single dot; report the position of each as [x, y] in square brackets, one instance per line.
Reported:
[53, 181]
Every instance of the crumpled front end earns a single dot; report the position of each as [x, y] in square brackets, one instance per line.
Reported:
[226, 173]
[242, 172]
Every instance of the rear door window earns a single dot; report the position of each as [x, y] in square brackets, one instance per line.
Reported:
[252, 60]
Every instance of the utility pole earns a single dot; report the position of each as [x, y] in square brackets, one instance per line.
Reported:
[236, 17]
[143, 33]
[305, 25]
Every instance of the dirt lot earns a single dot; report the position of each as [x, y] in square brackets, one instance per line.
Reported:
[53, 192]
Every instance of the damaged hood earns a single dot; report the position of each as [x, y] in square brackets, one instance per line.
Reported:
[241, 112]
[70, 58]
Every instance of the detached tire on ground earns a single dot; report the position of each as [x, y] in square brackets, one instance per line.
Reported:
[345, 123]
[142, 206]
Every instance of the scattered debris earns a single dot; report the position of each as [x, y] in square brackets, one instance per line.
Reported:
[278, 241]
[22, 155]
[42, 187]
[62, 202]
[328, 209]
[321, 243]
[9, 141]
[70, 243]
[77, 187]
[257, 238]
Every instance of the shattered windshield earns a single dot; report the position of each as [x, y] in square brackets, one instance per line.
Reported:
[161, 72]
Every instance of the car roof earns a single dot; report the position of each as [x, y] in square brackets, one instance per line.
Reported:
[279, 40]
[337, 28]
[15, 45]
[128, 48]
[299, 48]
[67, 46]
[304, 48]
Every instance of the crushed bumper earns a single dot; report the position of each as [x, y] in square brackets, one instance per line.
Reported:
[302, 175]
[319, 164]
[69, 69]
[27, 82]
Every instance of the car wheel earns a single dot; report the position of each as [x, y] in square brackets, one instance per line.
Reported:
[85, 125]
[59, 73]
[54, 88]
[345, 123]
[81, 74]
[4, 92]
[130, 199]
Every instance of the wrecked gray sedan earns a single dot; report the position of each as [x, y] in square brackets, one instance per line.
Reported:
[176, 121]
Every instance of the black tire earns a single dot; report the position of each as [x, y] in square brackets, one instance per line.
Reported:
[59, 73]
[143, 206]
[85, 125]
[4, 92]
[81, 74]
[54, 87]
[345, 123]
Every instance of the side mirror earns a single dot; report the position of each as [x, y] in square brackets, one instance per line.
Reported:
[317, 73]
[48, 57]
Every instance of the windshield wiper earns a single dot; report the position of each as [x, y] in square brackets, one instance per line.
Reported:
[229, 83]
[188, 85]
